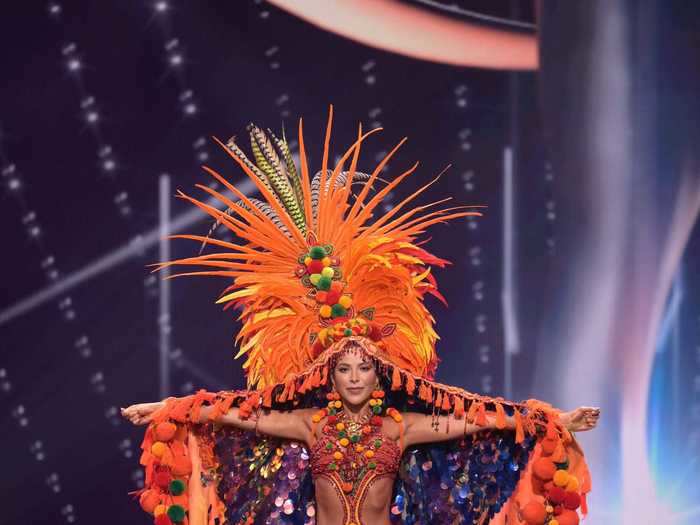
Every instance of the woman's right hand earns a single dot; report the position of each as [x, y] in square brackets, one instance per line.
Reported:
[141, 414]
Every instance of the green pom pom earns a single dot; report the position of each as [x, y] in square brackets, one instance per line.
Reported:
[176, 513]
[324, 283]
[372, 465]
[347, 332]
[355, 438]
[342, 434]
[377, 443]
[177, 487]
[338, 310]
[332, 466]
[329, 446]
[332, 412]
[315, 278]
[376, 409]
[317, 252]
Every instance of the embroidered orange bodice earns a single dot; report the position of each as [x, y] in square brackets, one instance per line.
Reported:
[352, 468]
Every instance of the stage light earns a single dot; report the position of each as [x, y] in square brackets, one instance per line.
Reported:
[190, 108]
[74, 64]
[37, 448]
[54, 9]
[14, 184]
[53, 482]
[161, 6]
[484, 354]
[175, 60]
[109, 165]
[91, 117]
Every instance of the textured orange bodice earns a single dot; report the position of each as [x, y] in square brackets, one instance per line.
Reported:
[352, 468]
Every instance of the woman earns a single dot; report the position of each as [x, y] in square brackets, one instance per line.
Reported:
[332, 310]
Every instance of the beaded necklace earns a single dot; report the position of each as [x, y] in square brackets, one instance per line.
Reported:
[353, 444]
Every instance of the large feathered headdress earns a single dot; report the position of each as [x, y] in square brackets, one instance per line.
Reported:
[316, 263]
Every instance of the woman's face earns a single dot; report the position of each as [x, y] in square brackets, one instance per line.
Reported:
[354, 377]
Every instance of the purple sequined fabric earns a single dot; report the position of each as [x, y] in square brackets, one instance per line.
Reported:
[456, 482]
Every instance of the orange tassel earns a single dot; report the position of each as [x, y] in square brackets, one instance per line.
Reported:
[438, 399]
[459, 407]
[429, 393]
[316, 378]
[410, 384]
[422, 394]
[446, 403]
[519, 433]
[500, 416]
[396, 379]
[473, 406]
[481, 415]
[267, 397]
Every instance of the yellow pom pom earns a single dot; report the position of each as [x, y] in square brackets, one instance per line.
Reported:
[328, 272]
[359, 448]
[572, 485]
[326, 261]
[325, 311]
[158, 449]
[160, 509]
[345, 301]
[337, 455]
[340, 426]
[561, 478]
[372, 402]
[344, 442]
[315, 418]
[338, 404]
[369, 454]
[307, 260]
[553, 521]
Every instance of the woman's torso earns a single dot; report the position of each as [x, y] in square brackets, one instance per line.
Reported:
[354, 480]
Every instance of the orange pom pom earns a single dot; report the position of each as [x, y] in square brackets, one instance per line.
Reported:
[534, 513]
[568, 517]
[561, 478]
[149, 500]
[544, 469]
[158, 449]
[572, 485]
[165, 431]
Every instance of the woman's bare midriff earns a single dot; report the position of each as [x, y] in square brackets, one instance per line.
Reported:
[373, 507]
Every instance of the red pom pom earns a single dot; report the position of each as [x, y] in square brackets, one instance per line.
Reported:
[556, 495]
[544, 469]
[315, 266]
[534, 513]
[375, 333]
[568, 517]
[332, 419]
[332, 297]
[376, 421]
[337, 286]
[163, 519]
[558, 510]
[572, 500]
[162, 478]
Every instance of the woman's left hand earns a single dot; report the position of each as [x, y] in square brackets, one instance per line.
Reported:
[580, 419]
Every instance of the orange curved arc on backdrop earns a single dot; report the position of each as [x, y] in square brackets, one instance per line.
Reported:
[417, 33]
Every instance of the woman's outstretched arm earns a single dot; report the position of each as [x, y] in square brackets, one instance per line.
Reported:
[293, 424]
[420, 427]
